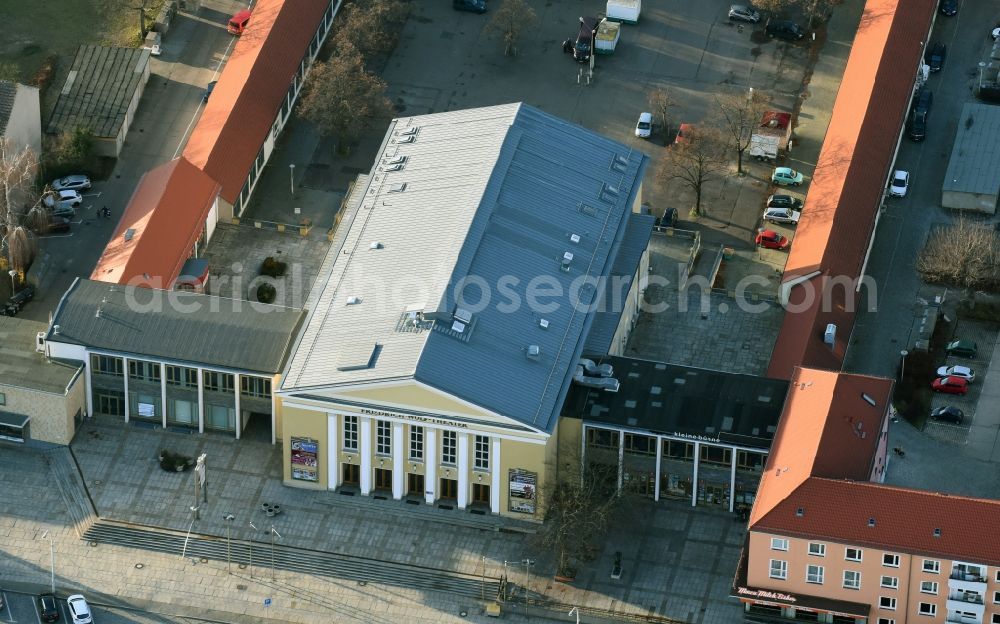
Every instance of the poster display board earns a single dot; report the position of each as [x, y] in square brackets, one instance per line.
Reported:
[304, 459]
[523, 491]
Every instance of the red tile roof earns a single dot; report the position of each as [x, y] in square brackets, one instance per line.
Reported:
[828, 428]
[166, 215]
[841, 210]
[251, 90]
[905, 519]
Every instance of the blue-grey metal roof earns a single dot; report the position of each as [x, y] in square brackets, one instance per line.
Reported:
[495, 196]
[602, 332]
[548, 170]
[974, 166]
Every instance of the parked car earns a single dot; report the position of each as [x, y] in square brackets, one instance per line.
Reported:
[644, 127]
[995, 33]
[950, 385]
[683, 133]
[57, 225]
[783, 29]
[949, 413]
[784, 201]
[48, 609]
[18, 301]
[918, 118]
[769, 239]
[62, 199]
[786, 176]
[962, 348]
[900, 183]
[948, 7]
[79, 610]
[71, 183]
[782, 215]
[744, 13]
[964, 372]
[934, 57]
[473, 6]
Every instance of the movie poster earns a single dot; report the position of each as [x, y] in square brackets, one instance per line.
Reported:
[522, 491]
[304, 459]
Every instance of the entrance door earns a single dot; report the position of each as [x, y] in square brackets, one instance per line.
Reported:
[480, 494]
[415, 484]
[449, 489]
[383, 479]
[351, 474]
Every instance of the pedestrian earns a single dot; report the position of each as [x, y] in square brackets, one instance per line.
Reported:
[568, 46]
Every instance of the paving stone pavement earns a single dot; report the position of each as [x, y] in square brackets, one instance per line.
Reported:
[678, 560]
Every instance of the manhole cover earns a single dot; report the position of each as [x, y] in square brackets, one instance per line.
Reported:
[98, 482]
[92, 544]
[241, 587]
[139, 566]
[203, 560]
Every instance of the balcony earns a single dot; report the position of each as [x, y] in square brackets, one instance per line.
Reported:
[964, 614]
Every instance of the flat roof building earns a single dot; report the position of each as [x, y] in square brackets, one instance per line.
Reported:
[102, 92]
[972, 180]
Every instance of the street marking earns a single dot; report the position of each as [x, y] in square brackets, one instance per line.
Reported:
[6, 606]
[97, 194]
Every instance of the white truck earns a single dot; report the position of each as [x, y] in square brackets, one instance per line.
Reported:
[608, 34]
[771, 135]
[624, 10]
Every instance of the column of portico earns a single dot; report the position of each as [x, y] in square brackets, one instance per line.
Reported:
[397, 460]
[163, 393]
[365, 425]
[430, 465]
[463, 470]
[239, 415]
[495, 475]
[128, 406]
[332, 453]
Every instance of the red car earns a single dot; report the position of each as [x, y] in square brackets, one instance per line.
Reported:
[770, 239]
[950, 385]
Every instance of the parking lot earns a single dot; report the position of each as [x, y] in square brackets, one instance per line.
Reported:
[23, 608]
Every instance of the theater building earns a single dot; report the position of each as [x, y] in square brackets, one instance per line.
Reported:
[430, 370]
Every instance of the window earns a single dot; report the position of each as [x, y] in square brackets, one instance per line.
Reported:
[931, 566]
[852, 579]
[417, 443]
[887, 602]
[927, 608]
[886, 621]
[106, 365]
[449, 446]
[383, 438]
[3, 398]
[852, 554]
[814, 574]
[255, 387]
[746, 460]
[218, 382]
[351, 433]
[998, 576]
[182, 376]
[716, 455]
[779, 569]
[996, 618]
[678, 450]
[890, 581]
[143, 371]
[640, 444]
[890, 561]
[779, 543]
[996, 597]
[602, 438]
[928, 587]
[819, 550]
[482, 455]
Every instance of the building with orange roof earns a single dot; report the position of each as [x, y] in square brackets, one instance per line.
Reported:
[822, 280]
[170, 216]
[253, 99]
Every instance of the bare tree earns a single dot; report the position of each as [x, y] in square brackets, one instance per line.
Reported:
[740, 116]
[577, 512]
[342, 99]
[20, 204]
[371, 26]
[509, 21]
[963, 254]
[661, 102]
[694, 162]
[773, 7]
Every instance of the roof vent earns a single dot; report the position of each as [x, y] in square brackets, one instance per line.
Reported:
[394, 167]
[461, 314]
[574, 238]
[458, 327]
[376, 245]
[587, 210]
[55, 330]
[830, 335]
[129, 233]
[609, 194]
[352, 300]
[868, 399]
[871, 522]
[534, 351]
[406, 139]
[937, 532]
[397, 188]
[543, 323]
[619, 163]
[411, 131]
[800, 512]
[396, 160]
[566, 260]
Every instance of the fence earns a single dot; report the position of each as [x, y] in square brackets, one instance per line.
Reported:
[691, 235]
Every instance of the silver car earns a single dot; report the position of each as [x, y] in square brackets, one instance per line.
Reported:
[744, 13]
[71, 183]
[782, 215]
[63, 199]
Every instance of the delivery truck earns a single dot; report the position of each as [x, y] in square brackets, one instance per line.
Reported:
[771, 136]
[608, 34]
[624, 10]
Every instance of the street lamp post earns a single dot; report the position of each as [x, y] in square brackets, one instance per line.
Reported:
[273, 533]
[902, 366]
[291, 176]
[13, 275]
[229, 526]
[527, 564]
[52, 560]
[254, 527]
[982, 66]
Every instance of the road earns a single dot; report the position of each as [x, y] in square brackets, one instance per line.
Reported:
[20, 608]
